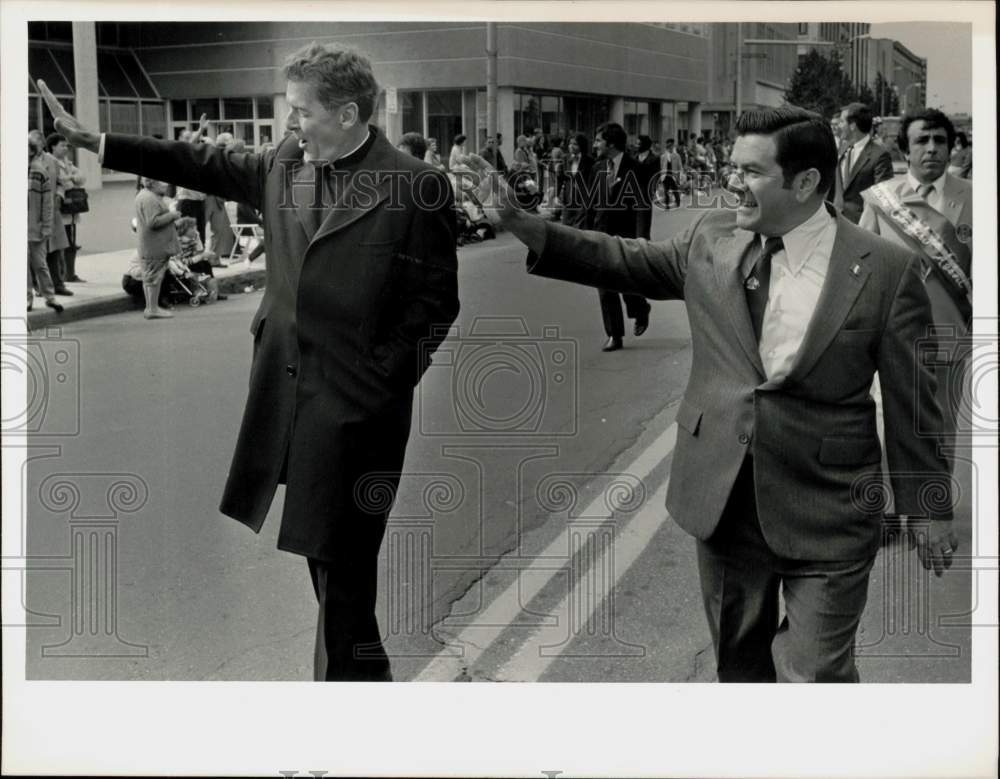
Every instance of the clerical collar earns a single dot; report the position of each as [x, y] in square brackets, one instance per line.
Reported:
[357, 154]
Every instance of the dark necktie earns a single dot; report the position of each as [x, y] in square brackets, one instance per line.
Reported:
[759, 282]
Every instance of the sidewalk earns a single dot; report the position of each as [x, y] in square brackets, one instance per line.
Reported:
[102, 293]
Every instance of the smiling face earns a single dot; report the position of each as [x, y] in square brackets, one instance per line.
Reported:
[766, 205]
[928, 154]
[322, 133]
[601, 148]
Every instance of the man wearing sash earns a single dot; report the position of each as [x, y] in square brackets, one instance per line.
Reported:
[930, 212]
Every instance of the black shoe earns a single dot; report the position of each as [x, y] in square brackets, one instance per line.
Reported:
[57, 307]
[222, 297]
[77, 280]
[642, 323]
[613, 345]
[65, 292]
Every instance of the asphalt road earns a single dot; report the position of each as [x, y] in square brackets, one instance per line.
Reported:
[520, 398]
[528, 540]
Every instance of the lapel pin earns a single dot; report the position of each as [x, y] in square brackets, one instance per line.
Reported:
[855, 269]
[752, 283]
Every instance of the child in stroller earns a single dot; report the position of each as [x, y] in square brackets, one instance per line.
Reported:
[192, 268]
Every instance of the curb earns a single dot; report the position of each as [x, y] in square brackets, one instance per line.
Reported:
[120, 303]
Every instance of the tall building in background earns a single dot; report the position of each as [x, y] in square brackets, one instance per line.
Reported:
[904, 71]
[847, 38]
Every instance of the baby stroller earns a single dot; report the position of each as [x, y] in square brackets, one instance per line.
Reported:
[182, 284]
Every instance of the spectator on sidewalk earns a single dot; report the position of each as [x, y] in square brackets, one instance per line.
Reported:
[455, 164]
[194, 255]
[157, 242]
[431, 156]
[413, 144]
[57, 238]
[222, 239]
[494, 156]
[69, 177]
[40, 219]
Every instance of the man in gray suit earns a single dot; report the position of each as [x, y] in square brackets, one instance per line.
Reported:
[792, 310]
[861, 162]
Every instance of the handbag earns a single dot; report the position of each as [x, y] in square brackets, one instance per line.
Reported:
[75, 201]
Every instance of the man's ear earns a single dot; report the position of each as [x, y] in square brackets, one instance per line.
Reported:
[806, 184]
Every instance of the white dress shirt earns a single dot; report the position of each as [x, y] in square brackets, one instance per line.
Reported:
[935, 199]
[797, 275]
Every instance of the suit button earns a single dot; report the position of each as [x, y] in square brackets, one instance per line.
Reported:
[291, 370]
[744, 438]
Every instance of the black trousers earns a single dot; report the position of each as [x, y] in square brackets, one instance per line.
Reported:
[611, 310]
[196, 209]
[348, 641]
[740, 580]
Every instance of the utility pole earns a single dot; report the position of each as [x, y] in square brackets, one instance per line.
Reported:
[491, 79]
[739, 72]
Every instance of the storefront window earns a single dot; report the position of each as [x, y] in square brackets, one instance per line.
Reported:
[444, 118]
[636, 118]
[412, 106]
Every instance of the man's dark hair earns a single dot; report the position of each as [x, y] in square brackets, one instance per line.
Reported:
[556, 142]
[581, 141]
[803, 140]
[460, 138]
[52, 140]
[613, 135]
[416, 143]
[671, 142]
[960, 136]
[645, 143]
[933, 120]
[861, 115]
[338, 75]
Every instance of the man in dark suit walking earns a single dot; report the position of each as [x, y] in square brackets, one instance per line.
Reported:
[861, 163]
[649, 171]
[618, 183]
[361, 277]
[792, 310]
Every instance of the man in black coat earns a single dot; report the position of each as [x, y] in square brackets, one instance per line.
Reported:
[361, 285]
[618, 182]
[649, 171]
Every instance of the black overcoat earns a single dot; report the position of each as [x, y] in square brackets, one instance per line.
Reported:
[346, 327]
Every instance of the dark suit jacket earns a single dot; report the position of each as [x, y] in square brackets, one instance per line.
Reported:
[343, 333]
[649, 173]
[872, 166]
[618, 200]
[813, 436]
[575, 193]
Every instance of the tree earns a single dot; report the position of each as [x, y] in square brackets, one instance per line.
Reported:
[886, 100]
[820, 84]
[866, 96]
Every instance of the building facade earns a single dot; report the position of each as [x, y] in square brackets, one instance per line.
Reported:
[901, 69]
[159, 78]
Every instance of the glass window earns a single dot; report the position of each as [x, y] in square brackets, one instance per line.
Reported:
[64, 59]
[266, 134]
[112, 77]
[265, 108]
[237, 108]
[179, 110]
[154, 119]
[551, 115]
[205, 106]
[444, 118]
[130, 65]
[42, 66]
[412, 106]
[124, 117]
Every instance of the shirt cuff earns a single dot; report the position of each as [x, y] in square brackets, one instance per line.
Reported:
[100, 149]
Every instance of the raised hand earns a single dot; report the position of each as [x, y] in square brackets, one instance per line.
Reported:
[66, 123]
[488, 188]
[202, 126]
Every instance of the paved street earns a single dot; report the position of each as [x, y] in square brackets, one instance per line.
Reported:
[528, 541]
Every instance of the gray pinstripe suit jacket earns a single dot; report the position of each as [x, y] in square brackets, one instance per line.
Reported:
[812, 436]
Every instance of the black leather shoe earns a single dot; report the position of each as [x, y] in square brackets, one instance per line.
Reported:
[57, 307]
[641, 323]
[65, 292]
[77, 280]
[613, 345]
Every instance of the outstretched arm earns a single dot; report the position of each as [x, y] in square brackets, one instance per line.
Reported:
[200, 167]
